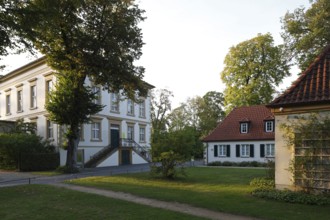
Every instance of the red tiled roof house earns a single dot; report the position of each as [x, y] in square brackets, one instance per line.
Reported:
[310, 93]
[246, 134]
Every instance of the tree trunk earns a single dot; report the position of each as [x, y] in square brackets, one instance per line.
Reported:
[73, 141]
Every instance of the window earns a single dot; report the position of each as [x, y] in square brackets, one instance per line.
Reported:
[269, 125]
[49, 86]
[33, 96]
[130, 107]
[114, 104]
[245, 150]
[50, 130]
[96, 131]
[142, 134]
[130, 132]
[244, 127]
[222, 150]
[97, 91]
[270, 150]
[20, 101]
[7, 104]
[142, 109]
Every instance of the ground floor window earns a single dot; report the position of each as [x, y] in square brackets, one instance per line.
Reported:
[270, 150]
[221, 150]
[96, 131]
[245, 150]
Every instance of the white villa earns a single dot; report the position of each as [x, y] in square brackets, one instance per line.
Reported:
[118, 135]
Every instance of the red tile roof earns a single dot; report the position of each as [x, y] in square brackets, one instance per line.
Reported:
[229, 128]
[312, 87]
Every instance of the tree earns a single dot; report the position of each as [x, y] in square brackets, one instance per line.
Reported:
[95, 39]
[252, 70]
[160, 107]
[307, 32]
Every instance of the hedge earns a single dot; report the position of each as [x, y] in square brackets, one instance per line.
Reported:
[39, 161]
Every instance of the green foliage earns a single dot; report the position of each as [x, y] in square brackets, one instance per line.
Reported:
[307, 32]
[238, 164]
[14, 144]
[170, 165]
[263, 183]
[39, 161]
[291, 197]
[253, 69]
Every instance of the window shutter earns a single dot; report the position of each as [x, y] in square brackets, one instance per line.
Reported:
[215, 150]
[251, 150]
[237, 150]
[228, 150]
[262, 150]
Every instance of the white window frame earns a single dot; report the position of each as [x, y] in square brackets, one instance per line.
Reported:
[244, 126]
[270, 150]
[245, 150]
[96, 130]
[97, 91]
[50, 129]
[142, 134]
[8, 104]
[130, 107]
[20, 100]
[142, 109]
[269, 126]
[114, 102]
[33, 96]
[130, 132]
[222, 150]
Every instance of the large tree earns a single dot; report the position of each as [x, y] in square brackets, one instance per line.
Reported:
[253, 69]
[307, 32]
[95, 39]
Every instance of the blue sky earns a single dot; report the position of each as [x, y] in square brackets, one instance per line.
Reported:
[186, 41]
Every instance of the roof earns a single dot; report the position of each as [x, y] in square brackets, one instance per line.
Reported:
[312, 87]
[229, 128]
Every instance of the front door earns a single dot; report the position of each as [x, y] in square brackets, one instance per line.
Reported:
[114, 136]
[125, 156]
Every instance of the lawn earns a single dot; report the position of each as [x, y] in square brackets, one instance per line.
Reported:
[215, 188]
[47, 202]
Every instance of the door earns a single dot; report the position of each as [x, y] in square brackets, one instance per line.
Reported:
[114, 136]
[125, 156]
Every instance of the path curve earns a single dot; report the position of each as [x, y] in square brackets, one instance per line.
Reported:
[173, 206]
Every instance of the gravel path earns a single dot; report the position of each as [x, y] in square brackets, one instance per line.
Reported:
[173, 206]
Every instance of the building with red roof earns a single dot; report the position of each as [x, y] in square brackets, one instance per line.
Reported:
[310, 93]
[246, 134]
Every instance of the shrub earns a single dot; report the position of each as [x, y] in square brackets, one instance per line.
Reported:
[39, 161]
[238, 164]
[292, 197]
[263, 183]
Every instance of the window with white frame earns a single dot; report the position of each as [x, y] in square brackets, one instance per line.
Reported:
[130, 107]
[269, 125]
[19, 101]
[130, 132]
[142, 134]
[142, 109]
[96, 131]
[97, 91]
[222, 149]
[33, 96]
[8, 104]
[270, 150]
[50, 129]
[114, 104]
[245, 150]
[244, 127]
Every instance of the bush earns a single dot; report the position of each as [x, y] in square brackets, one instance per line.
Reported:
[39, 161]
[238, 164]
[263, 183]
[292, 197]
[14, 144]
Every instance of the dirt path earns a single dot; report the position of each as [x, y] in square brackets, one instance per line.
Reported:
[173, 206]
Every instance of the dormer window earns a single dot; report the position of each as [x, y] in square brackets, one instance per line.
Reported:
[244, 127]
[269, 126]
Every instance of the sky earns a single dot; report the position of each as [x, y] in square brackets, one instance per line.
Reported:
[186, 41]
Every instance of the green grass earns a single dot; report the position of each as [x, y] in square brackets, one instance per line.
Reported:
[219, 189]
[47, 202]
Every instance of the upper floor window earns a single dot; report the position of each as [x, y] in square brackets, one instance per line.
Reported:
[142, 109]
[33, 96]
[130, 107]
[8, 105]
[19, 101]
[114, 104]
[97, 91]
[244, 127]
[269, 126]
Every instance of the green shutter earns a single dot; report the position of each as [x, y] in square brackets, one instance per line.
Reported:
[237, 150]
[228, 150]
[251, 150]
[215, 150]
[262, 150]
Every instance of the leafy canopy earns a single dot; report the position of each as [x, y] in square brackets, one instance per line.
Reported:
[252, 70]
